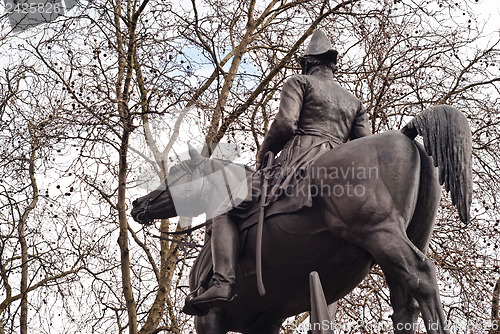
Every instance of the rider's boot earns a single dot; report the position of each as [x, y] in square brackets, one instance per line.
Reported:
[225, 243]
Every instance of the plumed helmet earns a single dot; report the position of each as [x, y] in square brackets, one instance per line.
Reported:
[320, 46]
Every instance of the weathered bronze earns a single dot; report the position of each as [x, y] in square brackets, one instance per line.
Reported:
[374, 201]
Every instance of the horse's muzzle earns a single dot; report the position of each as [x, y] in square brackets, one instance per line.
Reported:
[143, 218]
[140, 214]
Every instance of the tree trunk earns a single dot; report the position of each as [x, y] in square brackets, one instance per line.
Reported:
[495, 316]
[164, 283]
[23, 320]
[22, 237]
[123, 238]
[123, 88]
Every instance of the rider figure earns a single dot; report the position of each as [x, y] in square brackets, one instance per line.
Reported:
[315, 115]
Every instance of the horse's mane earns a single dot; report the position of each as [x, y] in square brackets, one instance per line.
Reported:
[221, 163]
[215, 165]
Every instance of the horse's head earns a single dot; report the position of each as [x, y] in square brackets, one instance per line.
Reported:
[180, 195]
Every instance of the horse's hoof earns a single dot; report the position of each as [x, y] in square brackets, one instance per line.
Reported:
[198, 310]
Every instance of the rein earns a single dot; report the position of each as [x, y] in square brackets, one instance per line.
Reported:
[188, 170]
[189, 230]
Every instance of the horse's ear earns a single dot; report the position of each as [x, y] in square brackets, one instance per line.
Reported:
[195, 156]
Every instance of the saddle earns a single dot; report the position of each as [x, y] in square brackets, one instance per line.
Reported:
[288, 190]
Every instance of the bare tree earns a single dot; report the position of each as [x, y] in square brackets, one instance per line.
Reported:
[106, 92]
[28, 261]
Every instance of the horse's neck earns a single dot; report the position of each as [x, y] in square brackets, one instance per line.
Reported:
[222, 182]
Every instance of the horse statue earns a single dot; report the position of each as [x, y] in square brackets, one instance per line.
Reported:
[386, 219]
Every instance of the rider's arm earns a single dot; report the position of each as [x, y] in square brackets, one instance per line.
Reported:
[284, 125]
[361, 126]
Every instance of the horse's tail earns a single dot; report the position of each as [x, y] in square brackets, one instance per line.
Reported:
[447, 138]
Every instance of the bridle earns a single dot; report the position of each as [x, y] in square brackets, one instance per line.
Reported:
[188, 170]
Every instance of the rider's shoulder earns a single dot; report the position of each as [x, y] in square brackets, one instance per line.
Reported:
[297, 80]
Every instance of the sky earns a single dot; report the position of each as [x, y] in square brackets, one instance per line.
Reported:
[488, 11]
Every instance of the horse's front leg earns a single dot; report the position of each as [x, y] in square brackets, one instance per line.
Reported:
[211, 323]
[265, 324]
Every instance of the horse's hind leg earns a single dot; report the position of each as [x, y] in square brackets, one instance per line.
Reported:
[419, 232]
[405, 307]
[401, 259]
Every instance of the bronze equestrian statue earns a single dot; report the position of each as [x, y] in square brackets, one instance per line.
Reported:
[315, 115]
[370, 200]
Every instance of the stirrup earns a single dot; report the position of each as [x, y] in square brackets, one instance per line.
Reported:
[190, 309]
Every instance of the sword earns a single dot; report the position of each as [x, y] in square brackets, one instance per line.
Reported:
[268, 159]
